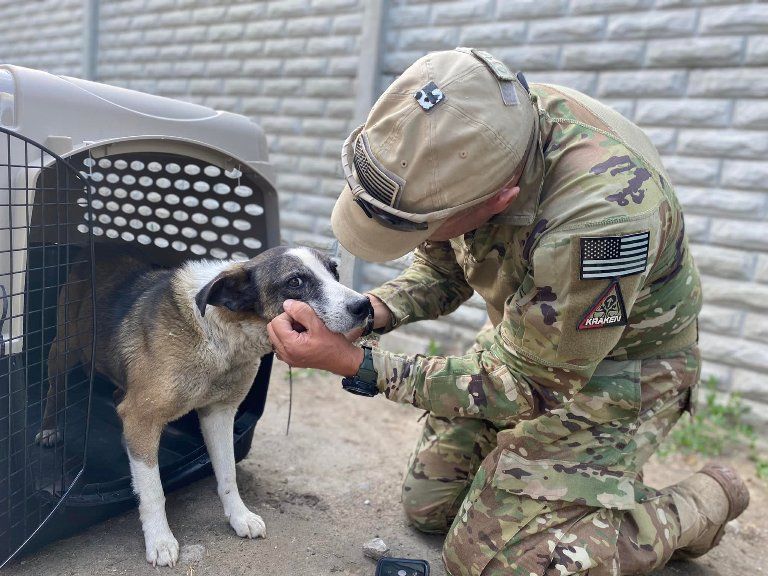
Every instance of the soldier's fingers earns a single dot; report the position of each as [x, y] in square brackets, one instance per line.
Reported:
[302, 313]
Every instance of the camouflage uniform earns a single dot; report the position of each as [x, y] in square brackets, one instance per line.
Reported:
[536, 437]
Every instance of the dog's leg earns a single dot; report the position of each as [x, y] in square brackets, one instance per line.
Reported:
[217, 423]
[142, 439]
[59, 364]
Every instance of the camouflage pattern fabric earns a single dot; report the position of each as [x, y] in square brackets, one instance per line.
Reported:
[565, 401]
[499, 530]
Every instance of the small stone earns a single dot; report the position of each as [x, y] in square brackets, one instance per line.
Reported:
[367, 502]
[192, 553]
[376, 549]
[733, 527]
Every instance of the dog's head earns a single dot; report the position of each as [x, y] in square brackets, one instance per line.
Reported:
[260, 285]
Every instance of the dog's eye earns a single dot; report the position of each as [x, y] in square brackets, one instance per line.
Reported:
[295, 282]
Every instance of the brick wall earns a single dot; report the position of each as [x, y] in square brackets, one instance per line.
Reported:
[45, 34]
[694, 73]
[290, 65]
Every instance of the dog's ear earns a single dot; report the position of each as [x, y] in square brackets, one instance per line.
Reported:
[230, 289]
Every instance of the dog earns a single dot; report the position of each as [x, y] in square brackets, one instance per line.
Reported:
[182, 339]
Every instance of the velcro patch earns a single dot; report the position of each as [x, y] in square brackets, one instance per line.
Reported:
[508, 94]
[613, 256]
[608, 310]
[429, 96]
[498, 67]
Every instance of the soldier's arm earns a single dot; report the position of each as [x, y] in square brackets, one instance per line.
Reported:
[433, 285]
[538, 358]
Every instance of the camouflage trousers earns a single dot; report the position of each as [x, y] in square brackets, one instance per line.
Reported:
[492, 532]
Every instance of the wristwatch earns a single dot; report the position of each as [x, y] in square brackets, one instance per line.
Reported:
[364, 382]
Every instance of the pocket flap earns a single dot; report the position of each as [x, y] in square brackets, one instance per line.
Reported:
[558, 480]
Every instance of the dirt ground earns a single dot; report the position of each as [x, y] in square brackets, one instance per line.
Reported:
[323, 491]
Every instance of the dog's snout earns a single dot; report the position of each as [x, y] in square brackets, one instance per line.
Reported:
[361, 307]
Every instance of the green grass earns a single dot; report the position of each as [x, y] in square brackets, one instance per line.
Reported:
[434, 348]
[718, 427]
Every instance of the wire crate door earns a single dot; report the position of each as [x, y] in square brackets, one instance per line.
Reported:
[46, 336]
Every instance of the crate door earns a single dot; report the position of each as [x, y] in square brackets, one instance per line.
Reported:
[46, 336]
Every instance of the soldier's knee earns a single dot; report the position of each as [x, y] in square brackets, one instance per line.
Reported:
[431, 505]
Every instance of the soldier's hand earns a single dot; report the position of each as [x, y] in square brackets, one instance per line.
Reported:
[316, 346]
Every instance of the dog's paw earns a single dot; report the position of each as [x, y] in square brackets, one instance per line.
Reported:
[49, 438]
[162, 550]
[248, 525]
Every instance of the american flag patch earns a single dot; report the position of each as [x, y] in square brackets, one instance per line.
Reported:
[614, 256]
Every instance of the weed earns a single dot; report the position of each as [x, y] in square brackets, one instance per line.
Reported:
[715, 428]
[434, 348]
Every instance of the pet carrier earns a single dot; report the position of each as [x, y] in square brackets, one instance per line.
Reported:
[82, 164]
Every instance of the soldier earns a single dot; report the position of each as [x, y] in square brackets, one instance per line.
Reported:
[558, 212]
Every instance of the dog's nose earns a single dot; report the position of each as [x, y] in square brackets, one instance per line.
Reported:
[360, 307]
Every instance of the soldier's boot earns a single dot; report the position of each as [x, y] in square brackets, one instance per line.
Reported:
[706, 502]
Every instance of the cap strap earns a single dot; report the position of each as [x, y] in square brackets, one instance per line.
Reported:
[496, 66]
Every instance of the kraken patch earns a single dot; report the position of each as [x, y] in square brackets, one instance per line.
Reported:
[429, 96]
[608, 309]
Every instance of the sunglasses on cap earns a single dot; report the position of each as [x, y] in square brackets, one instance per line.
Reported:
[389, 220]
[376, 190]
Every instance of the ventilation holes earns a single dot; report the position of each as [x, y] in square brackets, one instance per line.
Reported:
[149, 201]
[221, 188]
[231, 206]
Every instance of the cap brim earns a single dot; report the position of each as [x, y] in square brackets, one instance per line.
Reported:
[369, 240]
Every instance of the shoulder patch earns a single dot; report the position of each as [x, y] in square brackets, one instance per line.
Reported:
[429, 96]
[613, 256]
[608, 310]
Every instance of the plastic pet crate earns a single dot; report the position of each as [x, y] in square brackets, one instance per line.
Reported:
[84, 165]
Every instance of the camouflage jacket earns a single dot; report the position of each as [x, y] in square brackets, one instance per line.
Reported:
[600, 202]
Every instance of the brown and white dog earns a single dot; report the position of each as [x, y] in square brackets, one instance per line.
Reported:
[182, 339]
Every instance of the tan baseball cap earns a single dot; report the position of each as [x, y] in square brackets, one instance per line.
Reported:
[447, 134]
